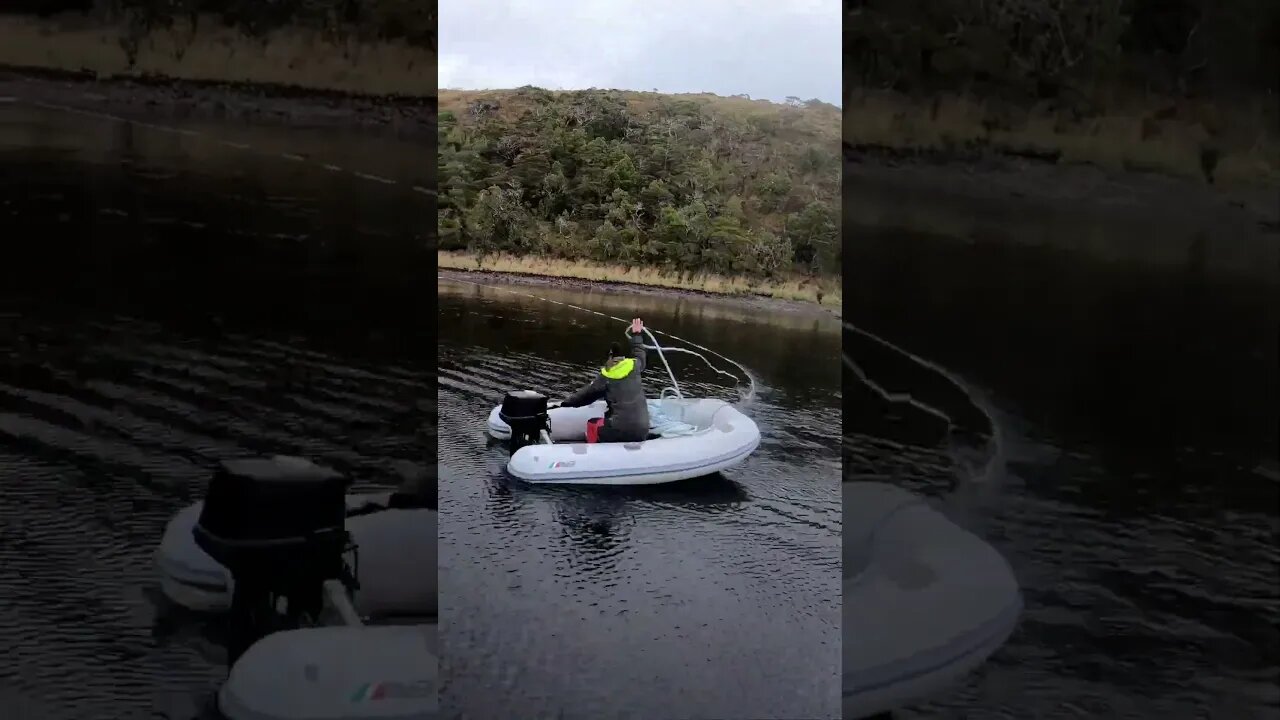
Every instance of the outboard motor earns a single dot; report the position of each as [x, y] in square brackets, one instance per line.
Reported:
[525, 412]
[278, 525]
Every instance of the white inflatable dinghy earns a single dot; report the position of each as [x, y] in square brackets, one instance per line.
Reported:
[688, 438]
[394, 546]
[336, 673]
[925, 601]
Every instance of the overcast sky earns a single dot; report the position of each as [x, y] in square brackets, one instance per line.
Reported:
[764, 48]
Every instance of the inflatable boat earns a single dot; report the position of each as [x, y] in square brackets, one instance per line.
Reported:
[345, 672]
[688, 438]
[297, 647]
[925, 601]
[395, 544]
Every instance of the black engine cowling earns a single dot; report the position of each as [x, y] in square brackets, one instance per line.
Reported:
[525, 412]
[279, 526]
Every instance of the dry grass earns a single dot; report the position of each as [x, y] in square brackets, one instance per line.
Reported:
[1151, 135]
[217, 53]
[825, 292]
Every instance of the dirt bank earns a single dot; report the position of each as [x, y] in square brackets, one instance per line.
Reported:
[154, 98]
[824, 291]
[1079, 187]
[791, 307]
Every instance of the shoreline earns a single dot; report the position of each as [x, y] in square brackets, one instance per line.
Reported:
[1223, 143]
[1076, 188]
[153, 97]
[490, 277]
[1140, 219]
[205, 48]
[995, 175]
[1171, 182]
[293, 76]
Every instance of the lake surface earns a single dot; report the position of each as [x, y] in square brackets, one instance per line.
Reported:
[712, 598]
[166, 303]
[1139, 502]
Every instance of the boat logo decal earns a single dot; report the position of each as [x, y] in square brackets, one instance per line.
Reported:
[561, 464]
[393, 691]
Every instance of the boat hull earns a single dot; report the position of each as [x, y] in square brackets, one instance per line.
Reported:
[925, 601]
[336, 673]
[720, 438]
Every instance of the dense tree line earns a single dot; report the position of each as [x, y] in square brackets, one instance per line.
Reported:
[695, 185]
[1068, 49]
[411, 21]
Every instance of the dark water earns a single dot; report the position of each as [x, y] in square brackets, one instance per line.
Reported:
[1140, 505]
[164, 305]
[712, 598]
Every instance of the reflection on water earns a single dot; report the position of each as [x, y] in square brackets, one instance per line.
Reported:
[218, 149]
[159, 313]
[1167, 223]
[712, 598]
[1142, 493]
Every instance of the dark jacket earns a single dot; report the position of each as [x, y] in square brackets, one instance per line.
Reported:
[627, 419]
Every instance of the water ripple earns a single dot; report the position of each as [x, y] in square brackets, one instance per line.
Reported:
[723, 590]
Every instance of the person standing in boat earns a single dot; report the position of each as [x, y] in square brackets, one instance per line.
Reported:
[618, 382]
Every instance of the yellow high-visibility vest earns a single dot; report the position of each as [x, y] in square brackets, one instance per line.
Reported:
[619, 370]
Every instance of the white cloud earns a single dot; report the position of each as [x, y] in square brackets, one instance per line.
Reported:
[762, 48]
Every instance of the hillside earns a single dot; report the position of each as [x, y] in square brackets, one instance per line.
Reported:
[687, 183]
